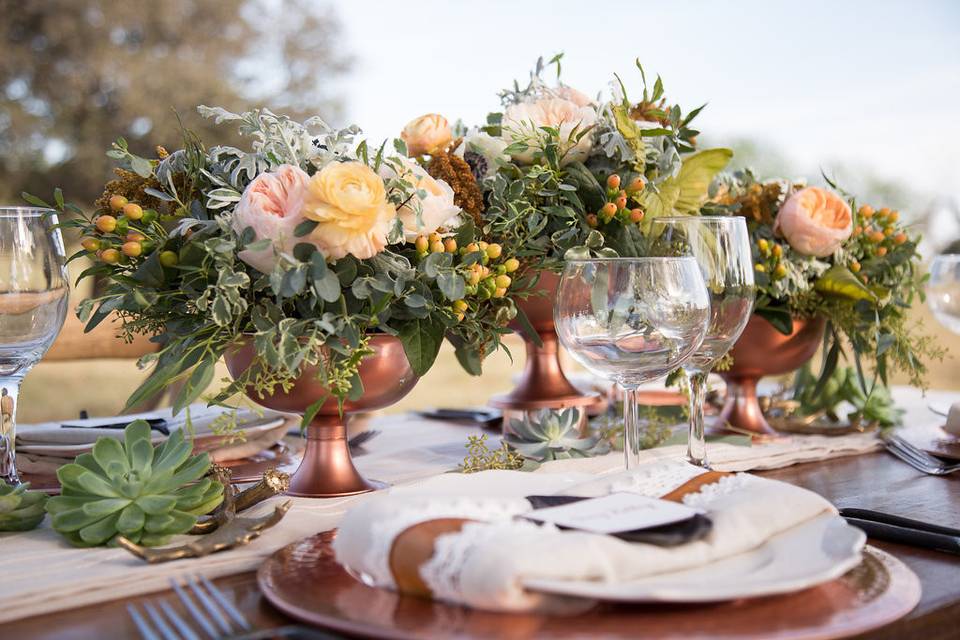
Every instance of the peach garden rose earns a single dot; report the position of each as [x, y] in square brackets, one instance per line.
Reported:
[815, 221]
[349, 201]
[272, 204]
[426, 134]
[521, 122]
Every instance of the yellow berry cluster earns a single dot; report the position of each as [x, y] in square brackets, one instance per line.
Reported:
[485, 279]
[877, 234]
[115, 237]
[771, 262]
[622, 204]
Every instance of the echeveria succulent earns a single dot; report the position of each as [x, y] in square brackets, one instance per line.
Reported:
[553, 435]
[134, 490]
[20, 510]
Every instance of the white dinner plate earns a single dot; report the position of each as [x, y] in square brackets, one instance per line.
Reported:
[817, 551]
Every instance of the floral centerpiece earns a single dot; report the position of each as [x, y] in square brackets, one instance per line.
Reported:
[822, 258]
[558, 173]
[309, 251]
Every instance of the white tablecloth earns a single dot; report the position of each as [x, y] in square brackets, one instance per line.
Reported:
[41, 573]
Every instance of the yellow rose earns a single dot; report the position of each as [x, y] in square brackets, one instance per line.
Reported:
[349, 201]
[426, 134]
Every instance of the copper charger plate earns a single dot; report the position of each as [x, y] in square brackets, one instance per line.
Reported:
[304, 581]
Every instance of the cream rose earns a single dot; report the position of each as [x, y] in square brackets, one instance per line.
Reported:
[436, 208]
[349, 201]
[575, 96]
[815, 221]
[426, 134]
[273, 206]
[521, 123]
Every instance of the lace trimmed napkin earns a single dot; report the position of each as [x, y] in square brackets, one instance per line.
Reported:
[456, 537]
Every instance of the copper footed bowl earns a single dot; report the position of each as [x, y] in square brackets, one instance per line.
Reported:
[763, 351]
[543, 384]
[327, 469]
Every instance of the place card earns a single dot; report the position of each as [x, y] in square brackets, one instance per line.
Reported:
[614, 513]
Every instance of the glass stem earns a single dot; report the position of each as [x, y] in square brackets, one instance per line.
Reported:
[631, 427]
[696, 442]
[9, 392]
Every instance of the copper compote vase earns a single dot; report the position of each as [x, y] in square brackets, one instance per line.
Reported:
[327, 469]
[764, 351]
[543, 384]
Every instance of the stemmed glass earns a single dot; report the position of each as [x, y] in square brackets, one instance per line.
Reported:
[33, 306]
[721, 246]
[943, 290]
[632, 320]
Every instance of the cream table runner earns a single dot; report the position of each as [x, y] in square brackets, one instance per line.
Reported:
[41, 573]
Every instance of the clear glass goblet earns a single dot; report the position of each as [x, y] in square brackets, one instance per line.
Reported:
[33, 306]
[631, 320]
[721, 246]
[943, 290]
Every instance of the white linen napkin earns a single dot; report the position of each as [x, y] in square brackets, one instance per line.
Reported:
[485, 563]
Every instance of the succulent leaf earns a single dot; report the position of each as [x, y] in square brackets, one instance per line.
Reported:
[552, 435]
[132, 488]
[20, 509]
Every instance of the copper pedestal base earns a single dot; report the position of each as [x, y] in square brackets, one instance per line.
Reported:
[327, 469]
[764, 351]
[543, 384]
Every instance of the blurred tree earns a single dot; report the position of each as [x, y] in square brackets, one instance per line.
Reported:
[75, 74]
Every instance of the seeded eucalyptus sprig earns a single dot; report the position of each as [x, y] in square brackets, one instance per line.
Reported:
[133, 489]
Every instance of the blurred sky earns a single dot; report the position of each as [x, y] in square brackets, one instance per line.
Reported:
[874, 84]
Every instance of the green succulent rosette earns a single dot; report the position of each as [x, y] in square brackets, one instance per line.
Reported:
[20, 509]
[553, 435]
[146, 494]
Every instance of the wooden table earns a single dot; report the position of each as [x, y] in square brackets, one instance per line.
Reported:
[876, 481]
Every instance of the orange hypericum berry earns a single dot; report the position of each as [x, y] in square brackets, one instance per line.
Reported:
[893, 216]
[503, 281]
[450, 245]
[110, 256]
[780, 271]
[884, 212]
[106, 223]
[499, 292]
[877, 236]
[132, 249]
[133, 211]
[613, 181]
[866, 211]
[117, 202]
[636, 185]
[494, 251]
[759, 268]
[777, 250]
[889, 231]
[511, 265]
[482, 246]
[460, 306]
[135, 236]
[90, 244]
[421, 244]
[900, 238]
[473, 247]
[608, 210]
[437, 247]
[881, 251]
[591, 220]
[435, 237]
[636, 215]
[857, 230]
[621, 202]
[855, 266]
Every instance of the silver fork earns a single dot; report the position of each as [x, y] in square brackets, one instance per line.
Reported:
[917, 458]
[215, 615]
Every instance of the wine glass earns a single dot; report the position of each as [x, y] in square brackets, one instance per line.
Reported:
[33, 306]
[631, 320]
[943, 290]
[721, 246]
